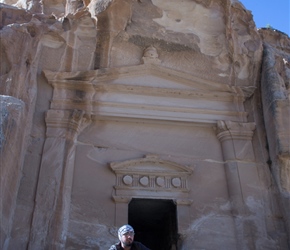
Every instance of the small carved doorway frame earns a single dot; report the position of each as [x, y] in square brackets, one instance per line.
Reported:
[151, 178]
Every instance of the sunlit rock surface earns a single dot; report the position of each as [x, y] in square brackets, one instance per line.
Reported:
[172, 116]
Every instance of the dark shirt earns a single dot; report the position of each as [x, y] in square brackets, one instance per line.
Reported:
[135, 246]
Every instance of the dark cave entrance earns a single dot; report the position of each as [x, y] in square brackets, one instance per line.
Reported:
[154, 222]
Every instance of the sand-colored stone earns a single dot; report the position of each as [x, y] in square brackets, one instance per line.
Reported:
[170, 115]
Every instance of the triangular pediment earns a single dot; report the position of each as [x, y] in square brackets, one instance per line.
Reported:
[157, 76]
[144, 75]
[150, 165]
[150, 174]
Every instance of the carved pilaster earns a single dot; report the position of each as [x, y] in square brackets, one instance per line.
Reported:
[236, 142]
[238, 154]
[51, 212]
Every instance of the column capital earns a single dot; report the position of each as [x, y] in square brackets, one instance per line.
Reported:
[229, 130]
[66, 123]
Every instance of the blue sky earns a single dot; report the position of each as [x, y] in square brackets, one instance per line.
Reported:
[269, 12]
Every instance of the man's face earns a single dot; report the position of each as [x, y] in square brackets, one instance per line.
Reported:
[127, 239]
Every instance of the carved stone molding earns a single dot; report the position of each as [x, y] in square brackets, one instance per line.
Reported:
[127, 199]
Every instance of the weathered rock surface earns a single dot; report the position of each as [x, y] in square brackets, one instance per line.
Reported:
[275, 89]
[11, 144]
[112, 111]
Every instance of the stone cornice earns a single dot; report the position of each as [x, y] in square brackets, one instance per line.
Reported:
[153, 91]
[155, 112]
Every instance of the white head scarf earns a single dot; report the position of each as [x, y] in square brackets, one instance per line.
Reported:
[124, 229]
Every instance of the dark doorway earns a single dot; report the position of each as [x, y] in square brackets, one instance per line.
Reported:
[154, 222]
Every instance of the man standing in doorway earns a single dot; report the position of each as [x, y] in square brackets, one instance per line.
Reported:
[126, 236]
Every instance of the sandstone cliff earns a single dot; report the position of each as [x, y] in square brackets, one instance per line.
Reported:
[89, 88]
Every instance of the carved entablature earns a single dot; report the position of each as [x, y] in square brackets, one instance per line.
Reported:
[147, 91]
[150, 177]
